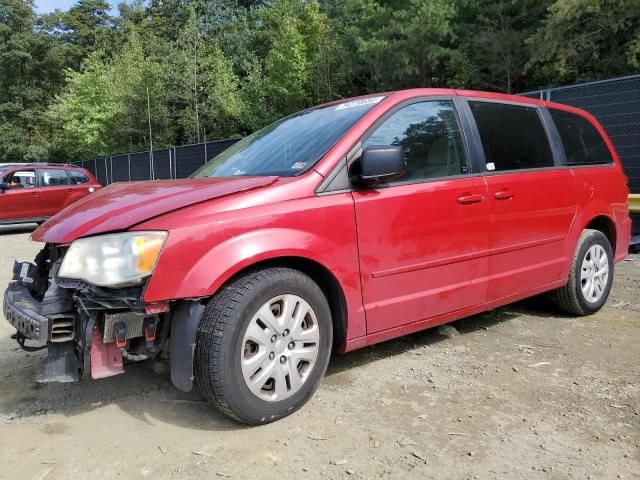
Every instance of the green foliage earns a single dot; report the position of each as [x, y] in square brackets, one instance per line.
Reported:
[29, 74]
[104, 110]
[81, 83]
[584, 39]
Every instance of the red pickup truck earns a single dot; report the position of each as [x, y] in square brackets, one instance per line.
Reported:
[332, 229]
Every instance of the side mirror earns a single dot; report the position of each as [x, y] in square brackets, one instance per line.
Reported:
[380, 163]
[4, 186]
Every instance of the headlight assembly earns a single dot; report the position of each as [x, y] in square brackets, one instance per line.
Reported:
[114, 260]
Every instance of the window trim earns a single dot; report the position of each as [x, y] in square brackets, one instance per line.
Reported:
[556, 155]
[354, 152]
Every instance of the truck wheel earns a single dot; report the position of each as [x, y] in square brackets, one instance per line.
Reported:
[263, 345]
[591, 275]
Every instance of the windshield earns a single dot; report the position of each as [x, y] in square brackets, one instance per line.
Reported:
[291, 145]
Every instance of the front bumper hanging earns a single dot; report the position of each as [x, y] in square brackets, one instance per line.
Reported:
[22, 311]
[91, 331]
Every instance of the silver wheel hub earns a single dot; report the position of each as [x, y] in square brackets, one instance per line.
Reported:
[280, 347]
[594, 273]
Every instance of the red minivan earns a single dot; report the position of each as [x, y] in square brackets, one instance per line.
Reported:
[31, 193]
[332, 229]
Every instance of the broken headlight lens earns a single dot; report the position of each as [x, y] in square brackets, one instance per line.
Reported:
[113, 260]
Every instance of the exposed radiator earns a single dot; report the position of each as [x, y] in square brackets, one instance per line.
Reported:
[134, 323]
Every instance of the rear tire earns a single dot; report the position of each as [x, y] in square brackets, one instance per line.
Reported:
[263, 345]
[591, 275]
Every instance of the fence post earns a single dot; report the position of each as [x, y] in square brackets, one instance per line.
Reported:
[111, 167]
[205, 153]
[129, 164]
[175, 163]
[152, 172]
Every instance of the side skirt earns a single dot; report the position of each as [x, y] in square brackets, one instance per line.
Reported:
[402, 330]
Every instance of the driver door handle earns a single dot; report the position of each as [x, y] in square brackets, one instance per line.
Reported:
[469, 198]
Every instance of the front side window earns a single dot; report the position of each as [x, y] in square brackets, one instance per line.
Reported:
[583, 144]
[21, 179]
[289, 146]
[77, 178]
[430, 136]
[512, 136]
[53, 178]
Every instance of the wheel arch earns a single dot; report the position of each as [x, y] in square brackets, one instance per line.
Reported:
[596, 216]
[606, 226]
[187, 315]
[320, 274]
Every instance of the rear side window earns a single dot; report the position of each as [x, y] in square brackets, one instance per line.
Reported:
[53, 178]
[582, 143]
[77, 178]
[513, 137]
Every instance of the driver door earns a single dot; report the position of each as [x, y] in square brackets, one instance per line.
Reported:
[22, 199]
[423, 239]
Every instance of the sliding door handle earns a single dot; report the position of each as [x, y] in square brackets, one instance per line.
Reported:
[503, 195]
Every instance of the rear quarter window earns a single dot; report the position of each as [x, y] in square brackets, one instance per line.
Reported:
[512, 136]
[77, 177]
[583, 144]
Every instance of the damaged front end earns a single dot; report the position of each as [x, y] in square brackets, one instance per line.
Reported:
[88, 331]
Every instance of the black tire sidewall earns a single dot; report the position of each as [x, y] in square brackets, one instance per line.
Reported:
[244, 403]
[595, 238]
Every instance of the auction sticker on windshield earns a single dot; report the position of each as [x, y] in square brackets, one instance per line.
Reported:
[359, 103]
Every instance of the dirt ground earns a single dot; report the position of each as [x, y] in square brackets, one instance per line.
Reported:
[522, 393]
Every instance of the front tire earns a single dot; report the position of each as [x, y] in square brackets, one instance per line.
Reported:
[263, 345]
[591, 275]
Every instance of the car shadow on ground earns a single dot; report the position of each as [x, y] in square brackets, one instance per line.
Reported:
[150, 397]
[17, 229]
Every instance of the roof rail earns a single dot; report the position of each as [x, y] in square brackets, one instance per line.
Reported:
[36, 164]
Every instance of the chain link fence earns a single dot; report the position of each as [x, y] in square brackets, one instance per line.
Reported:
[161, 164]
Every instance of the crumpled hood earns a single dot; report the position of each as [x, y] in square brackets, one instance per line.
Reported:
[122, 205]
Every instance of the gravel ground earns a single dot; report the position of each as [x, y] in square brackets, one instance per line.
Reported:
[523, 392]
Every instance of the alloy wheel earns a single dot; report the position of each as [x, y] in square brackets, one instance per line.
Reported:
[594, 274]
